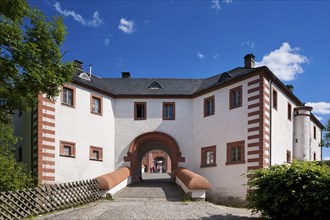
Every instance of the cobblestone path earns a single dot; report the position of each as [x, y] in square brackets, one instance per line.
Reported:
[153, 199]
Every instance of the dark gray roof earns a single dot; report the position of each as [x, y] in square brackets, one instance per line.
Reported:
[168, 86]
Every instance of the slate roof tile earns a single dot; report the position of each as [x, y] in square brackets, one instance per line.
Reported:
[169, 86]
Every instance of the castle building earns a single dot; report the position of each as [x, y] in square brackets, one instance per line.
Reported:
[219, 127]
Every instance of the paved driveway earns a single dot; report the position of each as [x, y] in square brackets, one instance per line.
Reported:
[152, 200]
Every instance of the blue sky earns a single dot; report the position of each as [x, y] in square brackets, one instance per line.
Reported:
[197, 39]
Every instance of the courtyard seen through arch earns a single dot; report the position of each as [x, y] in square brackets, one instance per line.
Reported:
[164, 148]
[156, 161]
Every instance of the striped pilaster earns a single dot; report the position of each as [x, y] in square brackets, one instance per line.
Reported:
[258, 123]
[35, 142]
[46, 140]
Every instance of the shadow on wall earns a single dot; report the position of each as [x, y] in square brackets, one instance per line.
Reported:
[120, 159]
[219, 199]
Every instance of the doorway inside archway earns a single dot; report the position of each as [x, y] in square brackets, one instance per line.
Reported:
[153, 142]
[156, 161]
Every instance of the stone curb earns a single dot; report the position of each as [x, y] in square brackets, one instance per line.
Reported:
[66, 211]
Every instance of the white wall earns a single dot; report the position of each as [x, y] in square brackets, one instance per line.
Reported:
[315, 143]
[281, 128]
[127, 129]
[219, 129]
[80, 126]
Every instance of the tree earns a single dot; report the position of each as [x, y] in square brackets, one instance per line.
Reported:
[326, 137]
[13, 175]
[30, 56]
[30, 63]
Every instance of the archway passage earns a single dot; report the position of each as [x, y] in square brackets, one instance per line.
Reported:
[156, 161]
[152, 141]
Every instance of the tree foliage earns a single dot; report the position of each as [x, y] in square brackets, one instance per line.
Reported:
[30, 56]
[326, 137]
[30, 63]
[13, 175]
[297, 191]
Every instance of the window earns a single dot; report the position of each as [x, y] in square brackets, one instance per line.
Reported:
[96, 104]
[235, 97]
[235, 153]
[209, 106]
[314, 132]
[314, 156]
[140, 111]
[275, 99]
[168, 110]
[84, 76]
[288, 156]
[67, 149]
[96, 153]
[68, 96]
[208, 156]
[289, 111]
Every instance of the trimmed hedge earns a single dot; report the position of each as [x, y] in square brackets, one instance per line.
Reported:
[300, 190]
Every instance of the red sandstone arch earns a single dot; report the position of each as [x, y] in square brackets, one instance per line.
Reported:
[136, 149]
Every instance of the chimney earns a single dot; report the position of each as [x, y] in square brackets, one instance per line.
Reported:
[249, 60]
[78, 64]
[125, 75]
[90, 71]
[290, 87]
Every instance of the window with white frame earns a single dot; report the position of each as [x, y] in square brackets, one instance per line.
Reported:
[96, 104]
[68, 96]
[168, 111]
[208, 156]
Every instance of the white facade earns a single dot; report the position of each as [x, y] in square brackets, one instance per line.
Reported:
[225, 126]
[266, 134]
[126, 128]
[78, 125]
[282, 133]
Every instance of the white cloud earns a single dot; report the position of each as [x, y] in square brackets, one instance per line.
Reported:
[326, 158]
[216, 4]
[285, 62]
[248, 44]
[215, 56]
[107, 41]
[126, 26]
[95, 22]
[322, 108]
[318, 117]
[200, 55]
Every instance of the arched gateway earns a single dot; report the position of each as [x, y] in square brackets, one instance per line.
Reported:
[152, 141]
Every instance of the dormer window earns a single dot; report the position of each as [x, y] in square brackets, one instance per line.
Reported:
[154, 85]
[84, 76]
[224, 77]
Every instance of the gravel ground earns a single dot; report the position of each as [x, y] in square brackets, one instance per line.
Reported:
[155, 198]
[152, 209]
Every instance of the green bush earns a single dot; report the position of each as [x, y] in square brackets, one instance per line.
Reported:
[300, 190]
